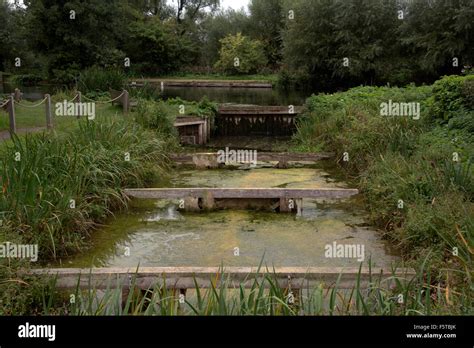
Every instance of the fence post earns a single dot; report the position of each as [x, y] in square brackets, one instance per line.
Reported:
[17, 95]
[49, 116]
[11, 113]
[125, 101]
[78, 100]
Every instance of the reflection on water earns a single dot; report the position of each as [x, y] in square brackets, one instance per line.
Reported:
[256, 96]
[211, 239]
[30, 92]
[156, 234]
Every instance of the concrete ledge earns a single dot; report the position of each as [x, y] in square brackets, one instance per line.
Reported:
[209, 159]
[233, 277]
[248, 193]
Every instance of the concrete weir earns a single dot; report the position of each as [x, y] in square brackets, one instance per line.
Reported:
[208, 160]
[232, 277]
[282, 199]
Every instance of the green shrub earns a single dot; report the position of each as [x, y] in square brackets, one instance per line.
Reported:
[240, 55]
[25, 80]
[351, 122]
[451, 95]
[156, 115]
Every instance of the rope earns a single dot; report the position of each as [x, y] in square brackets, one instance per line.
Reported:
[1, 106]
[75, 97]
[31, 106]
[104, 101]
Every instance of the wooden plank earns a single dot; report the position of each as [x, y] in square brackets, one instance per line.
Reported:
[188, 123]
[249, 193]
[232, 277]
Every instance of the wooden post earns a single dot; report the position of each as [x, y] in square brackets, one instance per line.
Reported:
[125, 101]
[17, 95]
[78, 100]
[201, 134]
[208, 201]
[191, 204]
[299, 207]
[204, 140]
[11, 113]
[284, 205]
[49, 116]
[208, 132]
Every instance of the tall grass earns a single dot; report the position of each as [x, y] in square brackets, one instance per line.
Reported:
[395, 295]
[401, 159]
[97, 79]
[40, 175]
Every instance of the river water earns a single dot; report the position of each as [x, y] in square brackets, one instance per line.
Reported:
[154, 233]
[255, 96]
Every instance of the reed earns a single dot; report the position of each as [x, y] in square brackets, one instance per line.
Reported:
[57, 187]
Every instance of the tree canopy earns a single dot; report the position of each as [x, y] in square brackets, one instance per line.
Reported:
[324, 44]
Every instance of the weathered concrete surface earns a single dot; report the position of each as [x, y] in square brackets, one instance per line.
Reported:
[248, 193]
[204, 160]
[232, 277]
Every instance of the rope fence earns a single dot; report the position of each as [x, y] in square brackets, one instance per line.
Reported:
[122, 98]
[31, 106]
[106, 101]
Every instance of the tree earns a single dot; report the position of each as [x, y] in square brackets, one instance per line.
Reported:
[217, 26]
[190, 11]
[12, 36]
[241, 55]
[155, 47]
[309, 45]
[266, 23]
[75, 34]
[436, 32]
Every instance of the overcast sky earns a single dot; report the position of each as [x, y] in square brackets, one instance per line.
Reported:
[235, 4]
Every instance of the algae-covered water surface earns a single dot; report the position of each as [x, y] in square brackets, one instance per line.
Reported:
[155, 233]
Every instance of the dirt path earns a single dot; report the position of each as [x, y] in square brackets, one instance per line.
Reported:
[5, 135]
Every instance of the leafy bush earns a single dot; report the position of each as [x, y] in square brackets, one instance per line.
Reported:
[400, 159]
[156, 115]
[451, 95]
[25, 80]
[240, 55]
[351, 122]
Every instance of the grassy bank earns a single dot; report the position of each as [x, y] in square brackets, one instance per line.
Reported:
[58, 187]
[42, 174]
[416, 174]
[220, 77]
